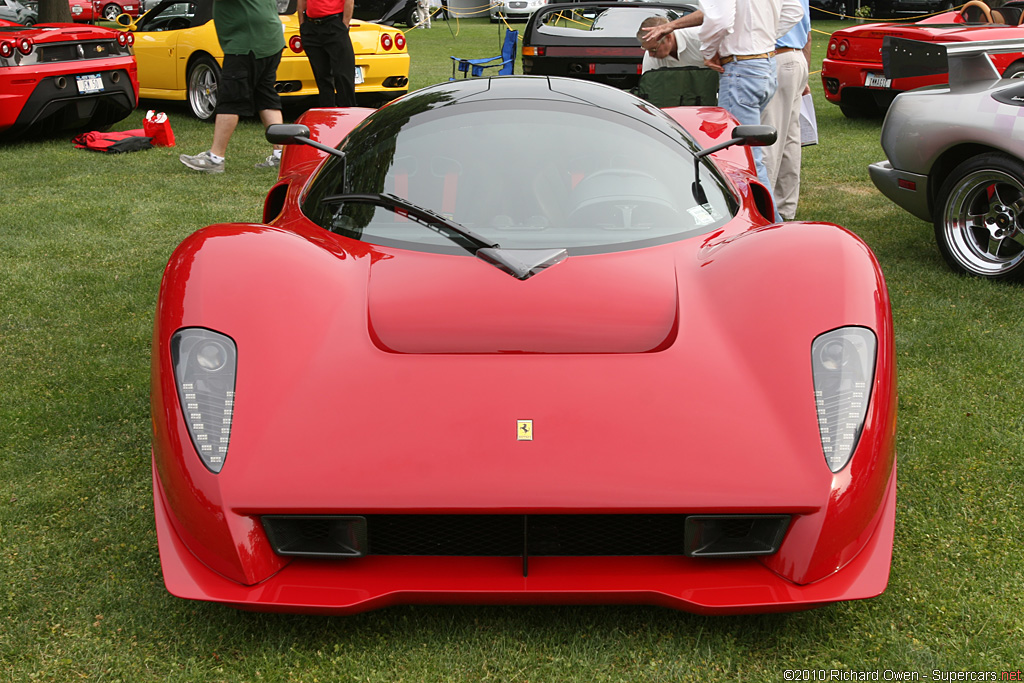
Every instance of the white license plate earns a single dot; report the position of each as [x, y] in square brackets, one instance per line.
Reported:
[359, 75]
[89, 83]
[876, 81]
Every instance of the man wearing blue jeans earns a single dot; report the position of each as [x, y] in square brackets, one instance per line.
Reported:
[738, 40]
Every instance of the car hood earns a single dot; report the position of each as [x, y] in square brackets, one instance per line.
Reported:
[435, 429]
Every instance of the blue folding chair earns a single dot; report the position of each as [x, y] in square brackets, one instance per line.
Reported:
[505, 63]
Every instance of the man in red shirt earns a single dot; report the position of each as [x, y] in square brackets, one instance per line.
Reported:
[323, 26]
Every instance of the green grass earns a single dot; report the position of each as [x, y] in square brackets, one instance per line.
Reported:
[83, 240]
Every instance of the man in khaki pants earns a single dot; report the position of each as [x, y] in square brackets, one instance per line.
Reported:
[782, 160]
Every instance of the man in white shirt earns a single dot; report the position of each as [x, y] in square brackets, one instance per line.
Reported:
[738, 40]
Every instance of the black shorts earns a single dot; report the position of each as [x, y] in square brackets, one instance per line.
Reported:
[247, 85]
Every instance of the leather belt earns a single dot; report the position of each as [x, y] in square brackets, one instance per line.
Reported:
[742, 58]
[323, 20]
[780, 50]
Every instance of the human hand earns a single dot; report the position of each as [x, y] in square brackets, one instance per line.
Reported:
[655, 33]
[715, 64]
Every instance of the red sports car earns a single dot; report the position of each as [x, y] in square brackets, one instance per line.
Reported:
[109, 10]
[64, 77]
[523, 340]
[852, 72]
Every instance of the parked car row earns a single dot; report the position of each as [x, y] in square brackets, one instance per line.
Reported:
[74, 76]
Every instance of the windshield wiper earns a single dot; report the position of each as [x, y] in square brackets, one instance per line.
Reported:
[520, 263]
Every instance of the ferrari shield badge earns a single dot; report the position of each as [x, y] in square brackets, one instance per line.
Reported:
[524, 430]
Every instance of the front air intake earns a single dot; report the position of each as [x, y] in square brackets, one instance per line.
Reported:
[734, 535]
[316, 535]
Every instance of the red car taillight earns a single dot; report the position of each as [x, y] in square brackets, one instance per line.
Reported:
[122, 39]
[385, 41]
[295, 44]
[400, 41]
[130, 37]
[844, 47]
[24, 46]
[6, 48]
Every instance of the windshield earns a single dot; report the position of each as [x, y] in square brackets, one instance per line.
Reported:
[562, 176]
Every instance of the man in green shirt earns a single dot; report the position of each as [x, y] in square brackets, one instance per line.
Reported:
[252, 39]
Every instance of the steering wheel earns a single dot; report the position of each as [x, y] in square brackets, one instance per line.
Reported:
[973, 8]
[622, 199]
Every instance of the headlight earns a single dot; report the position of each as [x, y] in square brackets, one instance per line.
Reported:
[205, 363]
[843, 365]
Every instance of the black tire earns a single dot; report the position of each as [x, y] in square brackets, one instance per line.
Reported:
[413, 17]
[201, 87]
[1015, 70]
[979, 218]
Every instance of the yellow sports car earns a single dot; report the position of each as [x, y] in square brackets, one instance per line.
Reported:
[179, 57]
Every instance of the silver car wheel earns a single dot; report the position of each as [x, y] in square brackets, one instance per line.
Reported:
[112, 12]
[981, 223]
[203, 77]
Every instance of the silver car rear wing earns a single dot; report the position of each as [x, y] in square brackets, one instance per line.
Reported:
[965, 62]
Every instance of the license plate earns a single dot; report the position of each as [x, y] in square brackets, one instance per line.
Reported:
[876, 81]
[89, 83]
[359, 75]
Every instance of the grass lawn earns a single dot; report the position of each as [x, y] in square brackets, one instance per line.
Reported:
[83, 240]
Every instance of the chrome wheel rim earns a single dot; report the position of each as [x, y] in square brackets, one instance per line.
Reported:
[983, 223]
[202, 90]
[111, 12]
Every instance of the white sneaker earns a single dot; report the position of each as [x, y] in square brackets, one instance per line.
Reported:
[202, 162]
[270, 162]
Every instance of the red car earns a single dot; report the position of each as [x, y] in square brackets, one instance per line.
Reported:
[852, 72]
[64, 77]
[109, 10]
[523, 339]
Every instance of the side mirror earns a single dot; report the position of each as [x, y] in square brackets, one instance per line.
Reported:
[297, 134]
[126, 21]
[755, 136]
[748, 136]
[287, 134]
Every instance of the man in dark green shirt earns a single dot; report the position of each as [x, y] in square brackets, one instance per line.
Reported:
[252, 39]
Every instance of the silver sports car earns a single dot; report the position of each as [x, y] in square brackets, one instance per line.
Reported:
[956, 153]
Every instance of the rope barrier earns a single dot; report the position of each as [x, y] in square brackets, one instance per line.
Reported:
[916, 17]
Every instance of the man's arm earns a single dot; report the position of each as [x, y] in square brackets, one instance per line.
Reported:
[657, 32]
[346, 16]
[300, 9]
[792, 12]
[719, 20]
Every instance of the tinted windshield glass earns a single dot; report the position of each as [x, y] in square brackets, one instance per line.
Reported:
[566, 176]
